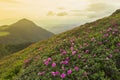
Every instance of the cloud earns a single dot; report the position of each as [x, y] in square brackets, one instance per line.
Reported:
[99, 7]
[95, 9]
[51, 13]
[61, 8]
[9, 1]
[62, 14]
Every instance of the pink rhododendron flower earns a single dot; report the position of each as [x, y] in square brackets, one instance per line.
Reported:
[79, 56]
[118, 44]
[55, 73]
[110, 56]
[76, 68]
[67, 59]
[74, 52]
[109, 29]
[93, 39]
[72, 40]
[69, 72]
[63, 75]
[72, 48]
[41, 73]
[86, 51]
[116, 50]
[53, 64]
[27, 61]
[100, 43]
[61, 50]
[115, 30]
[64, 62]
[86, 44]
[46, 63]
[49, 59]
[64, 52]
[94, 55]
[106, 35]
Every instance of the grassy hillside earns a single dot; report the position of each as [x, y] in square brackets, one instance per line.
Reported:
[88, 52]
[19, 35]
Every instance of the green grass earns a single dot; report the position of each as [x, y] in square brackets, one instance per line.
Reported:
[101, 62]
[4, 34]
[3, 27]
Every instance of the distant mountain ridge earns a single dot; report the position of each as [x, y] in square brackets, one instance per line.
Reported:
[23, 32]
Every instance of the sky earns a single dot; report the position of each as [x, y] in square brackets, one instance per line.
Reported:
[56, 14]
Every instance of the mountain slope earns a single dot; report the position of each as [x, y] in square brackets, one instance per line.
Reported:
[88, 52]
[19, 35]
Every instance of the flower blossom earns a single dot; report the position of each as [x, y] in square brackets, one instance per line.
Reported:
[41, 73]
[72, 48]
[110, 55]
[109, 29]
[106, 35]
[74, 52]
[86, 51]
[69, 72]
[118, 44]
[53, 64]
[64, 62]
[76, 68]
[46, 62]
[63, 75]
[55, 73]
[49, 59]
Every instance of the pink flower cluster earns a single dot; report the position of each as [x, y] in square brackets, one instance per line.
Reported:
[63, 52]
[63, 75]
[106, 35]
[64, 62]
[55, 73]
[53, 64]
[109, 29]
[27, 60]
[74, 52]
[46, 62]
[41, 73]
[118, 44]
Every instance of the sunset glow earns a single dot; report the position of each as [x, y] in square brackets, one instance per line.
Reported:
[42, 11]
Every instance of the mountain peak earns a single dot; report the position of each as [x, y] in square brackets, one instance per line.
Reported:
[24, 21]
